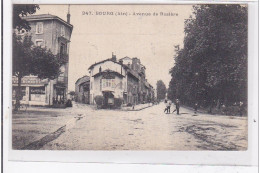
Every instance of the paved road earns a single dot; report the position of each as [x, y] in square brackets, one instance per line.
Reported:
[148, 129]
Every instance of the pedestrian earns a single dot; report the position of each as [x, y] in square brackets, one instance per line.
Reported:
[178, 106]
[177, 103]
[169, 106]
[166, 105]
[195, 108]
[241, 108]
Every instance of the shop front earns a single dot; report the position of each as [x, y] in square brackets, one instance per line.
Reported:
[37, 94]
[59, 97]
[33, 91]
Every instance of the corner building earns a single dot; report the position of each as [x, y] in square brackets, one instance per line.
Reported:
[53, 33]
[123, 79]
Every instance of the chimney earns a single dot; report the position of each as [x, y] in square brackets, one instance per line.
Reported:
[113, 57]
[68, 15]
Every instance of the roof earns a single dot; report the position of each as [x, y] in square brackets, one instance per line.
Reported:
[100, 62]
[86, 77]
[41, 17]
[125, 58]
[108, 71]
[146, 84]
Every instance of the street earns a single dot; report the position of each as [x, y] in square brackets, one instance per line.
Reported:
[82, 127]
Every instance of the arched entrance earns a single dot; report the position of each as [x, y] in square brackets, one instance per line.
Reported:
[108, 99]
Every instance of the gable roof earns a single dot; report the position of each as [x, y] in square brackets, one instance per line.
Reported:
[41, 17]
[100, 62]
[125, 58]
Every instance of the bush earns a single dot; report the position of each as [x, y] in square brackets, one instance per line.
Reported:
[129, 104]
[68, 103]
[99, 100]
[118, 102]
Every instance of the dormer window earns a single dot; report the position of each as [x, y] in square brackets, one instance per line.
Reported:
[39, 28]
[62, 32]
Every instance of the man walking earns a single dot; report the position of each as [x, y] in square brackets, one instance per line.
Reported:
[177, 106]
[166, 106]
[169, 106]
[177, 103]
[195, 108]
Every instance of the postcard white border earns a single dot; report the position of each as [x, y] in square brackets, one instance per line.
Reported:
[243, 158]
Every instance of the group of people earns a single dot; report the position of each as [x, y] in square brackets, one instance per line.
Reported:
[168, 104]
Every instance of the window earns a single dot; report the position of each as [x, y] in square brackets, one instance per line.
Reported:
[62, 49]
[37, 93]
[39, 28]
[39, 42]
[108, 83]
[62, 32]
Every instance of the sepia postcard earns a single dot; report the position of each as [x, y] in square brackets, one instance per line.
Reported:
[133, 77]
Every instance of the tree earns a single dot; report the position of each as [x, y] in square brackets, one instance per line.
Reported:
[161, 90]
[33, 60]
[21, 10]
[212, 65]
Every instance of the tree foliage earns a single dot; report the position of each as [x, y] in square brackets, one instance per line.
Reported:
[21, 10]
[212, 65]
[161, 90]
[29, 59]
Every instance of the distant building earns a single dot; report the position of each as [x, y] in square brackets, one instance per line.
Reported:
[53, 33]
[82, 90]
[123, 79]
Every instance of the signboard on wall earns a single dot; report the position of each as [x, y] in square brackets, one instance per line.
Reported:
[28, 80]
[37, 90]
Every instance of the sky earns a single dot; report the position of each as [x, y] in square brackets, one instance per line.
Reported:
[149, 38]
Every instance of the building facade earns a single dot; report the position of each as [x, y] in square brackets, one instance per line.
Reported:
[82, 90]
[107, 79]
[123, 79]
[54, 34]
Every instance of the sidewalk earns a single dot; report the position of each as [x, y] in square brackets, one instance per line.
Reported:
[137, 107]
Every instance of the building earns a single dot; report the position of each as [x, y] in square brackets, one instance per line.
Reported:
[123, 79]
[82, 90]
[135, 67]
[53, 33]
[107, 79]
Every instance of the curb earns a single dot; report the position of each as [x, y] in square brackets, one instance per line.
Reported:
[138, 109]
